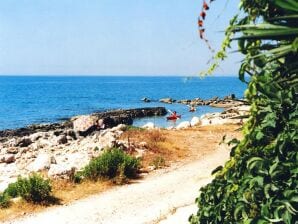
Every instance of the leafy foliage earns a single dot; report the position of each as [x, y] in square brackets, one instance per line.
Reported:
[4, 200]
[33, 189]
[259, 184]
[110, 164]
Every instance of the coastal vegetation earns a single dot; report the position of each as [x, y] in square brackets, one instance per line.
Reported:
[36, 189]
[33, 189]
[112, 163]
[259, 183]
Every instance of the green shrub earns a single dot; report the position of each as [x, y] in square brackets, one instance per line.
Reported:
[4, 200]
[111, 164]
[77, 177]
[33, 189]
[12, 190]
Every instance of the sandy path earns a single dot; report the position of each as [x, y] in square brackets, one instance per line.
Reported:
[165, 196]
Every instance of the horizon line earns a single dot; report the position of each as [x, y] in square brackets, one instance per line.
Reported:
[117, 75]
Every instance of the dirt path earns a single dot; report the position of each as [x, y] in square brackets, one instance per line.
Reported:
[151, 200]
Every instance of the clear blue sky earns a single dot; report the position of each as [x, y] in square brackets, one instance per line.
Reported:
[106, 37]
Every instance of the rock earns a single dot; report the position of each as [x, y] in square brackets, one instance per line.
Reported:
[119, 127]
[149, 125]
[5, 181]
[12, 150]
[184, 101]
[42, 162]
[108, 140]
[9, 158]
[62, 139]
[34, 137]
[183, 124]
[195, 121]
[146, 100]
[84, 122]
[71, 133]
[170, 128]
[24, 142]
[53, 160]
[167, 100]
[61, 171]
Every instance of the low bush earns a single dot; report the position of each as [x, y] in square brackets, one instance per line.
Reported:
[33, 189]
[4, 200]
[110, 164]
[12, 190]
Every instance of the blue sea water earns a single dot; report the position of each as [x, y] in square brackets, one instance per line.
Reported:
[26, 100]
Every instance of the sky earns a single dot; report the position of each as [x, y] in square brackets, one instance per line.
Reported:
[110, 37]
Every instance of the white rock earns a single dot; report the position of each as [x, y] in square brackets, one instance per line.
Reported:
[78, 160]
[36, 136]
[4, 183]
[83, 122]
[195, 121]
[183, 124]
[61, 171]
[119, 127]
[170, 128]
[149, 125]
[42, 162]
[9, 158]
[108, 140]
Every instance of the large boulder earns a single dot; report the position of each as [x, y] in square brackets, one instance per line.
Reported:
[107, 140]
[9, 158]
[62, 139]
[61, 171]
[195, 121]
[183, 124]
[149, 125]
[42, 162]
[84, 122]
[24, 142]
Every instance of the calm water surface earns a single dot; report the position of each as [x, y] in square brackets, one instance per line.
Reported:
[26, 100]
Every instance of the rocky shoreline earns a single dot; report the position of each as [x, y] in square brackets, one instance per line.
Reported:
[58, 150]
[110, 119]
[61, 148]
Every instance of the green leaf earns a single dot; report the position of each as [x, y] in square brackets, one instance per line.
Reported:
[291, 5]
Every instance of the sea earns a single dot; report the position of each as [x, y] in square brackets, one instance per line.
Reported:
[26, 100]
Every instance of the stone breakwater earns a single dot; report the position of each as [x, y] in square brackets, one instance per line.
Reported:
[58, 150]
[110, 119]
[226, 102]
